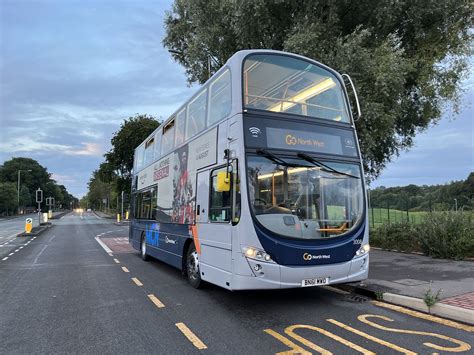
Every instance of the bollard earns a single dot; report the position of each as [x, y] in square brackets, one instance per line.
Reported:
[28, 225]
[118, 217]
[126, 215]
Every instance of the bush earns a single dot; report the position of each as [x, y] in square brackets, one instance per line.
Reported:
[398, 236]
[447, 235]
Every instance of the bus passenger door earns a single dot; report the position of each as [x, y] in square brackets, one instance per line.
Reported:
[213, 213]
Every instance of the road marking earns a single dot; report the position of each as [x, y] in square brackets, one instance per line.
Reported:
[370, 337]
[5, 258]
[290, 331]
[429, 317]
[17, 250]
[20, 248]
[125, 269]
[156, 301]
[39, 254]
[116, 261]
[336, 290]
[191, 336]
[295, 349]
[10, 254]
[105, 247]
[137, 281]
[462, 346]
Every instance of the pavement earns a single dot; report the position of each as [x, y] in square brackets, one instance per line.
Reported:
[405, 279]
[79, 288]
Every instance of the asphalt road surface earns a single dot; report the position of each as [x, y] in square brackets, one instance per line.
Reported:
[64, 292]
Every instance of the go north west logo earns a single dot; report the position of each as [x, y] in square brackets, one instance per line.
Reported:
[152, 234]
[308, 256]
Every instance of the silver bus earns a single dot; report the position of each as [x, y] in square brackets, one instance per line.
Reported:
[256, 182]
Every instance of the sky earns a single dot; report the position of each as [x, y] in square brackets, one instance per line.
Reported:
[72, 71]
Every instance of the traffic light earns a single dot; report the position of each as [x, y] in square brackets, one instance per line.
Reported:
[39, 196]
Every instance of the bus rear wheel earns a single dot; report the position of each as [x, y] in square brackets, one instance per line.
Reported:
[192, 267]
[143, 253]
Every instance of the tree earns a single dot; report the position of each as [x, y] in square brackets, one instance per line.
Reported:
[8, 198]
[119, 160]
[25, 196]
[37, 177]
[407, 58]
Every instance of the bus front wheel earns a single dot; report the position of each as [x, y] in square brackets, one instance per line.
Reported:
[192, 267]
[143, 253]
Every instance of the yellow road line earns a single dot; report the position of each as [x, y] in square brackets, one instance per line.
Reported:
[137, 281]
[421, 315]
[125, 269]
[116, 261]
[370, 337]
[291, 332]
[191, 336]
[336, 290]
[295, 349]
[461, 345]
[156, 301]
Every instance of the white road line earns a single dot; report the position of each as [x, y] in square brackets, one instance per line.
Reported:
[10, 254]
[20, 248]
[105, 247]
[39, 254]
[5, 258]
[17, 250]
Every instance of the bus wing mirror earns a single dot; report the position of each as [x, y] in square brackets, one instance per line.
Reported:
[223, 181]
[356, 98]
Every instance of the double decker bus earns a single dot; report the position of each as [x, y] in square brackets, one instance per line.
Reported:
[256, 182]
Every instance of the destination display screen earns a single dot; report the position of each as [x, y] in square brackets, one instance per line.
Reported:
[297, 136]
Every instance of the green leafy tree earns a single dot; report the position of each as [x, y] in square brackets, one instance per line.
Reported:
[119, 160]
[407, 58]
[25, 196]
[33, 176]
[8, 198]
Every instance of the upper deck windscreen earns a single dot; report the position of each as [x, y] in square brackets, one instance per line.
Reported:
[281, 83]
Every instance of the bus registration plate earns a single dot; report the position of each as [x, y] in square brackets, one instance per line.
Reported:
[318, 281]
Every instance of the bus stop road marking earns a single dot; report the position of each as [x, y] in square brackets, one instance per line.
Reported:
[291, 332]
[421, 315]
[125, 269]
[370, 337]
[191, 336]
[295, 349]
[137, 281]
[156, 301]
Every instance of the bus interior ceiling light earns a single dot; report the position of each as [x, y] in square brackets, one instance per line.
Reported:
[304, 95]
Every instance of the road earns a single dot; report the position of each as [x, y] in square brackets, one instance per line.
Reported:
[63, 292]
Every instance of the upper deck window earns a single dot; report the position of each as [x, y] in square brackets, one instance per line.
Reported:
[196, 115]
[220, 98]
[281, 83]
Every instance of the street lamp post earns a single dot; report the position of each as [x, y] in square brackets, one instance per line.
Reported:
[18, 192]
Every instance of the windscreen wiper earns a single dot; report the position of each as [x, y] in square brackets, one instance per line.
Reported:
[324, 166]
[274, 158]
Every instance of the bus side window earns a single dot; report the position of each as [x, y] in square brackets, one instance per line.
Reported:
[196, 121]
[220, 204]
[180, 128]
[219, 98]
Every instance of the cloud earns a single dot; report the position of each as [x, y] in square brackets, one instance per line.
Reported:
[88, 149]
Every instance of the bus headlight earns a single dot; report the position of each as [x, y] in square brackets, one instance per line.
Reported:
[257, 254]
[364, 249]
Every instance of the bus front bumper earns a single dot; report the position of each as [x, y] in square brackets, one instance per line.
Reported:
[274, 276]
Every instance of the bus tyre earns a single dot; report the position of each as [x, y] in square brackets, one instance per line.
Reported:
[143, 253]
[192, 267]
